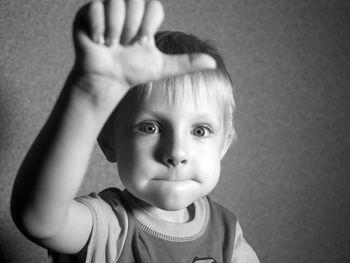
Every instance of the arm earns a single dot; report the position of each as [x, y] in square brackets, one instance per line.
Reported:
[51, 174]
[42, 204]
[242, 251]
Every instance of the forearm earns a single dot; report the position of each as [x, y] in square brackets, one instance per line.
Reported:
[52, 172]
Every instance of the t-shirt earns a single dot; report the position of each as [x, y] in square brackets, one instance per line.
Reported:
[125, 232]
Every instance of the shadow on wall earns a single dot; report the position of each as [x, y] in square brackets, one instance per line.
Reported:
[13, 245]
[2, 253]
[7, 251]
[6, 238]
[15, 248]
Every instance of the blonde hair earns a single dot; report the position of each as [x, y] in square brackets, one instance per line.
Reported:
[215, 84]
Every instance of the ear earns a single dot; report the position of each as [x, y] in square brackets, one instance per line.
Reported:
[108, 151]
[105, 141]
[231, 137]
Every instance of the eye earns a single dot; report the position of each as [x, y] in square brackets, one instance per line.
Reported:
[148, 127]
[202, 131]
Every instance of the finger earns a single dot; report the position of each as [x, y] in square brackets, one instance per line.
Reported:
[152, 19]
[88, 25]
[81, 27]
[96, 21]
[115, 16]
[188, 63]
[133, 18]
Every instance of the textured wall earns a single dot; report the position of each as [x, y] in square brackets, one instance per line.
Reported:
[286, 177]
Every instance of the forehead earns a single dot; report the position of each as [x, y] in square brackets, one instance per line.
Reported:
[161, 103]
[185, 102]
[199, 89]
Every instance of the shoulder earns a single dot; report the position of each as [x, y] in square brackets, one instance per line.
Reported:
[107, 210]
[109, 222]
[241, 250]
[112, 196]
[222, 212]
[103, 202]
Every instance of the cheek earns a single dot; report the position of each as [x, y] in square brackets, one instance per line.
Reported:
[135, 156]
[210, 150]
[209, 163]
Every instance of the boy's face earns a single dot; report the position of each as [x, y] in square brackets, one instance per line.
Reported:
[169, 153]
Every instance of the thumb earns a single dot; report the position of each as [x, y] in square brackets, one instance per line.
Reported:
[187, 63]
[88, 26]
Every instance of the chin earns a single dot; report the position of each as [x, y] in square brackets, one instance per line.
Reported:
[173, 202]
[173, 205]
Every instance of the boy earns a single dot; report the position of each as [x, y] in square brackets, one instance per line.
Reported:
[167, 132]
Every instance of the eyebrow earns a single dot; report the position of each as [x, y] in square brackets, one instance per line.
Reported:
[198, 118]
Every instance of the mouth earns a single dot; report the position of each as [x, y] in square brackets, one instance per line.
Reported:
[174, 183]
[171, 180]
[173, 176]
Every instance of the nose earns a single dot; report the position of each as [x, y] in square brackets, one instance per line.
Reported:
[175, 151]
[174, 161]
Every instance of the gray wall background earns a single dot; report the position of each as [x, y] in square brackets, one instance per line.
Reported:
[287, 177]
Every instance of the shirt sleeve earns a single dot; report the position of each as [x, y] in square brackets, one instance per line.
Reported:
[109, 229]
[108, 234]
[242, 251]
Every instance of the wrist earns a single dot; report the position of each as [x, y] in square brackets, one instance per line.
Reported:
[98, 94]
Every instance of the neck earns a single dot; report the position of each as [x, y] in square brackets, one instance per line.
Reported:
[177, 216]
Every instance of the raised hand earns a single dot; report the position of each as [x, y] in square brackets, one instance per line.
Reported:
[114, 42]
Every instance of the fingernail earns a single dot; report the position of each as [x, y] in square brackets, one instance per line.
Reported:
[145, 40]
[210, 62]
[99, 39]
[111, 41]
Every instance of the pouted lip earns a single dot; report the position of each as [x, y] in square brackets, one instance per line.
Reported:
[171, 179]
[173, 176]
